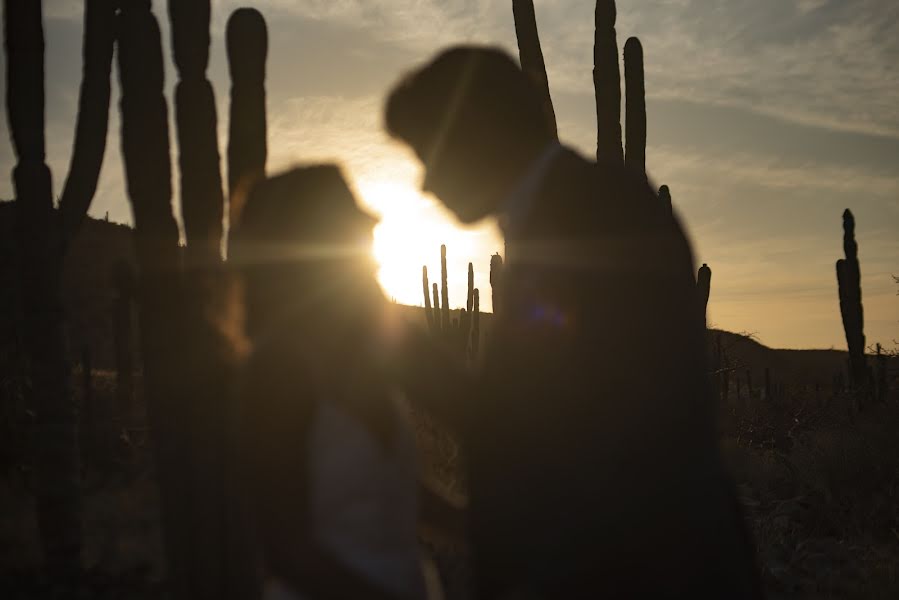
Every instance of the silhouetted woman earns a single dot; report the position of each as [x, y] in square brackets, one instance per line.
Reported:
[328, 461]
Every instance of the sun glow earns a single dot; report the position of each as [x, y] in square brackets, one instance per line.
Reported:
[410, 233]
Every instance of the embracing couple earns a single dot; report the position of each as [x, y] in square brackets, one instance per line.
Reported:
[592, 461]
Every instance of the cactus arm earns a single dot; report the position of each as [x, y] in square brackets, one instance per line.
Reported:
[247, 45]
[635, 115]
[93, 116]
[437, 321]
[145, 137]
[145, 154]
[202, 200]
[607, 84]
[531, 56]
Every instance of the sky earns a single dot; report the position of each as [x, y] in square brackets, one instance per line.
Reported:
[766, 118]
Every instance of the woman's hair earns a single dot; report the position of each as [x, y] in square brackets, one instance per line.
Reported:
[301, 245]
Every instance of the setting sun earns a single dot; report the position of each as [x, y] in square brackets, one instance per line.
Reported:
[412, 228]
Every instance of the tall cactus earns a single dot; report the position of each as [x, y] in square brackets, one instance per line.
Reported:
[531, 57]
[703, 288]
[145, 154]
[849, 280]
[43, 237]
[247, 44]
[635, 115]
[607, 84]
[202, 202]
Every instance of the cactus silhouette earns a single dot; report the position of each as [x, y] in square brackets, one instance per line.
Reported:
[438, 324]
[496, 278]
[607, 84]
[850, 291]
[465, 316]
[202, 202]
[426, 292]
[635, 104]
[531, 56]
[43, 237]
[665, 200]
[247, 43]
[476, 324]
[703, 288]
[186, 369]
[444, 292]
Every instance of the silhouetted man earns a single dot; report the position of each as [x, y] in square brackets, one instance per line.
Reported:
[593, 459]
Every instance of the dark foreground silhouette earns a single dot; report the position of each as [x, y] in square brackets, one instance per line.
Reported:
[327, 461]
[586, 476]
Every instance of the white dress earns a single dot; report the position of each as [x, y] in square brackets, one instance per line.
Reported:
[363, 503]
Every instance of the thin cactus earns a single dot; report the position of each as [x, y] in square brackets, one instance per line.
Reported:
[496, 278]
[531, 57]
[425, 292]
[607, 84]
[202, 202]
[43, 238]
[635, 99]
[849, 280]
[247, 43]
[465, 316]
[665, 200]
[145, 154]
[444, 292]
[438, 324]
[93, 115]
[476, 324]
[703, 288]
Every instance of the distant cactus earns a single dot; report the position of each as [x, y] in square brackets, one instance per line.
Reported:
[635, 99]
[444, 292]
[496, 281]
[425, 291]
[465, 316]
[247, 41]
[93, 115]
[531, 56]
[665, 200]
[476, 324]
[849, 280]
[438, 325]
[607, 84]
[703, 288]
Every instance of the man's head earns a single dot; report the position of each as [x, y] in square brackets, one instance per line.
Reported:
[475, 121]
